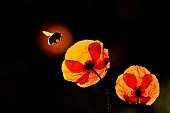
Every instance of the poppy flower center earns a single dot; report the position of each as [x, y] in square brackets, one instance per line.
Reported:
[138, 92]
[89, 65]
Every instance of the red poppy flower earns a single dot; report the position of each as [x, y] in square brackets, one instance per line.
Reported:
[86, 62]
[137, 85]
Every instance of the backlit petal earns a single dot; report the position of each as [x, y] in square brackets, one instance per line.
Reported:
[95, 51]
[144, 99]
[101, 64]
[74, 66]
[146, 80]
[83, 79]
[130, 80]
[131, 99]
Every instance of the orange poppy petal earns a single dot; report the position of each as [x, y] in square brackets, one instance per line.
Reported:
[130, 80]
[146, 80]
[144, 99]
[94, 50]
[83, 79]
[74, 66]
[131, 99]
[102, 64]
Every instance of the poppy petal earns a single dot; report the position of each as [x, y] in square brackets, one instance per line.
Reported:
[131, 99]
[144, 99]
[74, 66]
[83, 79]
[130, 80]
[146, 80]
[102, 64]
[94, 50]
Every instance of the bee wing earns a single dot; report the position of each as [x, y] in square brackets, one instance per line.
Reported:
[47, 33]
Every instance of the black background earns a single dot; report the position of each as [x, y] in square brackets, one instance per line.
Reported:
[136, 31]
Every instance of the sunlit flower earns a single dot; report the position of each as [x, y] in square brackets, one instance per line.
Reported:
[137, 85]
[85, 63]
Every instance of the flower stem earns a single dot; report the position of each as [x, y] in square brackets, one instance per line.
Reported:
[137, 105]
[108, 100]
[107, 94]
[97, 74]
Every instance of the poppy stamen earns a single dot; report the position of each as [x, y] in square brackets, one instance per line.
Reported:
[89, 66]
[138, 92]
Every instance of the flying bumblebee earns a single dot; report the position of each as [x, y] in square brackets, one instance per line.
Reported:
[53, 37]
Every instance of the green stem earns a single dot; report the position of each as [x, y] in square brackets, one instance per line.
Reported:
[108, 100]
[107, 94]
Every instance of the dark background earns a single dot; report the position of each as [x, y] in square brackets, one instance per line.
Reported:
[136, 32]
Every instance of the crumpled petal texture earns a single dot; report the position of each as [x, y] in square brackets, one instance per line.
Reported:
[79, 52]
[151, 90]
